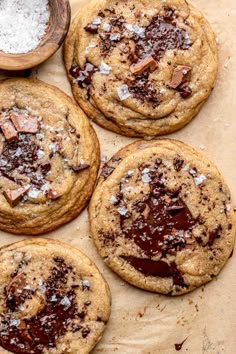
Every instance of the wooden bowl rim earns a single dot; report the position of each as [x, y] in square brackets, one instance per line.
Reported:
[48, 45]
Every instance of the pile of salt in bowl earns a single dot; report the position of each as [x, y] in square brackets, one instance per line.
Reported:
[23, 23]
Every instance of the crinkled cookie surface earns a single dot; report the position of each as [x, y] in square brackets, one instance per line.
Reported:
[161, 217]
[49, 157]
[141, 67]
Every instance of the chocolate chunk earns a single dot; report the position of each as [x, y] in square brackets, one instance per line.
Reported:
[82, 166]
[87, 303]
[85, 332]
[57, 140]
[53, 194]
[180, 75]
[24, 123]
[185, 90]
[215, 233]
[8, 130]
[83, 77]
[147, 63]
[14, 196]
[92, 28]
[21, 159]
[169, 14]
[45, 168]
[157, 269]
[178, 164]
[17, 291]
[75, 70]
[106, 171]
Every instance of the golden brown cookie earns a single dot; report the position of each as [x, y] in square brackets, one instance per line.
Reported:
[161, 216]
[53, 299]
[49, 157]
[141, 68]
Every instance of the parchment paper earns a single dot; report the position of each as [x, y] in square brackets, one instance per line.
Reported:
[146, 323]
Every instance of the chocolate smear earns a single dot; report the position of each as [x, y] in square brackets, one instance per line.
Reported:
[156, 268]
[83, 76]
[162, 230]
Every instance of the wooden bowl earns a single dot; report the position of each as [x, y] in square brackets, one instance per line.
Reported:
[59, 22]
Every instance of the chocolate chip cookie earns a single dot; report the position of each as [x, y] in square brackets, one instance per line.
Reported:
[161, 217]
[141, 68]
[53, 299]
[49, 157]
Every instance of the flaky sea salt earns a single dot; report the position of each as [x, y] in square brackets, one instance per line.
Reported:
[65, 302]
[115, 37]
[104, 68]
[106, 27]
[22, 24]
[40, 154]
[33, 193]
[113, 200]
[97, 21]
[122, 211]
[146, 178]
[199, 179]
[123, 92]
[140, 31]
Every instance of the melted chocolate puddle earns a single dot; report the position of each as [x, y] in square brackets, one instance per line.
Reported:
[161, 230]
[32, 336]
[158, 227]
[156, 268]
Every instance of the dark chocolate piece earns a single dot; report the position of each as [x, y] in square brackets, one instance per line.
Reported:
[24, 123]
[185, 90]
[8, 130]
[178, 164]
[83, 77]
[21, 156]
[147, 63]
[81, 167]
[92, 27]
[180, 75]
[215, 233]
[53, 194]
[17, 291]
[162, 229]
[143, 89]
[106, 171]
[157, 269]
[14, 196]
